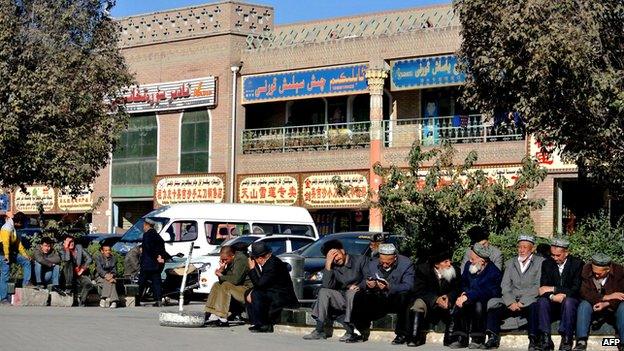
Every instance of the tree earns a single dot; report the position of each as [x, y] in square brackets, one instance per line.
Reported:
[59, 65]
[434, 207]
[558, 63]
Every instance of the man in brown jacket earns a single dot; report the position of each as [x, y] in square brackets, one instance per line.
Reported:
[602, 291]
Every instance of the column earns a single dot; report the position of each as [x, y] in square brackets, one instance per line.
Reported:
[376, 79]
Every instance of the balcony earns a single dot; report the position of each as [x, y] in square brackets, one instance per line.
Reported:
[397, 133]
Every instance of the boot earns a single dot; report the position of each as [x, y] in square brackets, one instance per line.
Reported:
[566, 343]
[461, 342]
[493, 341]
[532, 343]
[581, 345]
[417, 338]
[477, 343]
[546, 343]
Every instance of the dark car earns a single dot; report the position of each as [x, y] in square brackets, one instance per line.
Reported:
[355, 243]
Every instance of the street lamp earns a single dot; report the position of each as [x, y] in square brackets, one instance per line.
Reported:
[231, 177]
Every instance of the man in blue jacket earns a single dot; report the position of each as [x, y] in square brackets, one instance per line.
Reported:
[153, 256]
[387, 286]
[481, 281]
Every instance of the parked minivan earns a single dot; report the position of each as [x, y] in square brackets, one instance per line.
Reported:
[209, 225]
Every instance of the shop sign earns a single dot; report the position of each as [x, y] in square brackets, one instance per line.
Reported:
[320, 191]
[548, 156]
[171, 96]
[5, 201]
[426, 72]
[492, 175]
[36, 194]
[273, 190]
[189, 188]
[82, 202]
[305, 83]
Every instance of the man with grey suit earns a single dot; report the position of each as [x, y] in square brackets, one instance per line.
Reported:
[520, 289]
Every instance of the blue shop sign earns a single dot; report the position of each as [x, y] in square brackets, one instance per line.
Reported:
[340, 80]
[426, 72]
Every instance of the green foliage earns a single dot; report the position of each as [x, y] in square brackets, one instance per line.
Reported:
[59, 62]
[94, 250]
[434, 207]
[597, 234]
[559, 64]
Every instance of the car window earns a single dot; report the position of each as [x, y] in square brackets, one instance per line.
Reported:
[299, 243]
[180, 231]
[353, 246]
[280, 228]
[218, 232]
[277, 245]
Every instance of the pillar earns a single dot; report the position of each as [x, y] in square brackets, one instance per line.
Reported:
[376, 79]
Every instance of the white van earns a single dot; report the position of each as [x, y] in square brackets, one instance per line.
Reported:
[209, 225]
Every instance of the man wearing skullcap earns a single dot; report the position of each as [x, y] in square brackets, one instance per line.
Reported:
[153, 256]
[479, 234]
[560, 285]
[602, 291]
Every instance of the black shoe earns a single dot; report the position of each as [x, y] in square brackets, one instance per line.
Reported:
[218, 324]
[460, 343]
[566, 343]
[253, 327]
[354, 338]
[493, 342]
[399, 340]
[532, 343]
[546, 343]
[581, 345]
[263, 329]
[416, 341]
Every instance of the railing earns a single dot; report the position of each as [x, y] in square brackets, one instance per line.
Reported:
[306, 138]
[397, 133]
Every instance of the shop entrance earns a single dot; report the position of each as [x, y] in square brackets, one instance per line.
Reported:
[126, 213]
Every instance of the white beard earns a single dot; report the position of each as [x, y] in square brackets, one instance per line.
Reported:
[474, 269]
[448, 274]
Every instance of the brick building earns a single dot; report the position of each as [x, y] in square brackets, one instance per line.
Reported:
[314, 101]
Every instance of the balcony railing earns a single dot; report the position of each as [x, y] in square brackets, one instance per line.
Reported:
[397, 133]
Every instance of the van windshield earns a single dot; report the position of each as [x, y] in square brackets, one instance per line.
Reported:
[135, 233]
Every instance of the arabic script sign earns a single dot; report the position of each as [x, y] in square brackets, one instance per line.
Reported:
[426, 72]
[81, 203]
[305, 83]
[171, 96]
[320, 191]
[273, 190]
[37, 194]
[189, 188]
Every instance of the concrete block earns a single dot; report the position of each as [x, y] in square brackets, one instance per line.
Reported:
[61, 300]
[129, 301]
[30, 297]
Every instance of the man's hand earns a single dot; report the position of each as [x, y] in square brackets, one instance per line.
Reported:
[383, 285]
[329, 260]
[514, 307]
[600, 306]
[558, 298]
[251, 263]
[371, 284]
[442, 302]
[160, 260]
[354, 287]
[248, 299]
[614, 296]
[79, 271]
[546, 289]
[461, 300]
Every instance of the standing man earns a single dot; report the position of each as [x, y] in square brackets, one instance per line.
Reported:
[387, 286]
[75, 263]
[481, 281]
[232, 284]
[520, 288]
[602, 291]
[153, 255]
[272, 288]
[11, 251]
[47, 260]
[437, 286]
[560, 285]
[478, 234]
[106, 266]
[341, 277]
[376, 240]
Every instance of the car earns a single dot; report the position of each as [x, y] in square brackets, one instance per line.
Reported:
[355, 243]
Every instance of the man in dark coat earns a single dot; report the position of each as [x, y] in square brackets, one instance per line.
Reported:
[75, 261]
[602, 291]
[437, 286]
[387, 286]
[481, 282]
[153, 256]
[272, 288]
[560, 285]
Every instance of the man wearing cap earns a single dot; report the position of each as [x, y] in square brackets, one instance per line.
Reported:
[602, 291]
[376, 240]
[272, 288]
[478, 234]
[387, 287]
[341, 276]
[481, 281]
[437, 285]
[153, 256]
[560, 285]
[520, 287]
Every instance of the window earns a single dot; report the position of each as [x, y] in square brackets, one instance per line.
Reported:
[182, 231]
[218, 232]
[299, 243]
[280, 228]
[134, 158]
[135, 233]
[194, 142]
[277, 245]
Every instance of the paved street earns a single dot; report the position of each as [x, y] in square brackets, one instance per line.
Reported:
[94, 329]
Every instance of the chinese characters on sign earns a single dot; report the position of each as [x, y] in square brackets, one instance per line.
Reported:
[172, 95]
[548, 157]
[320, 191]
[426, 72]
[305, 83]
[81, 203]
[275, 190]
[37, 194]
[189, 188]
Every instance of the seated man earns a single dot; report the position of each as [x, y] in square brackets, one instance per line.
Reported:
[437, 286]
[74, 264]
[478, 234]
[387, 287]
[47, 260]
[106, 267]
[560, 285]
[341, 276]
[12, 251]
[520, 288]
[602, 291]
[232, 284]
[272, 288]
[481, 281]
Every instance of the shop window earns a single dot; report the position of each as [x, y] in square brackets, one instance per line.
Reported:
[337, 109]
[218, 232]
[194, 150]
[134, 158]
[306, 112]
[182, 231]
